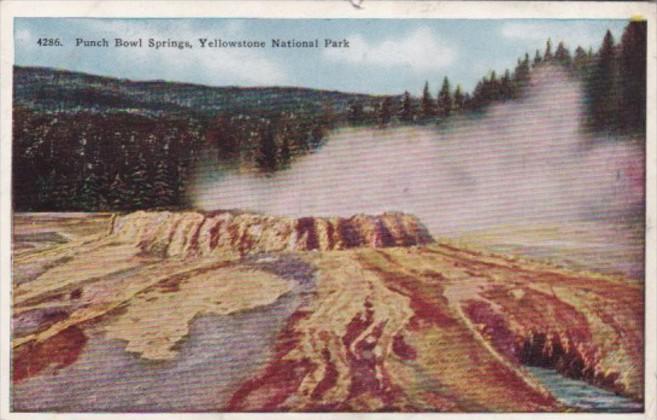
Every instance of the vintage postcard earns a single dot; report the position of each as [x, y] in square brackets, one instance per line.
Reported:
[255, 207]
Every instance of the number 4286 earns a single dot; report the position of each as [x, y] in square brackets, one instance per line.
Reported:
[49, 42]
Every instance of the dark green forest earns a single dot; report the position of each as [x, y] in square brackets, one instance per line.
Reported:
[89, 143]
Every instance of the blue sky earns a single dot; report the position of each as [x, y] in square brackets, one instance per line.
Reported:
[385, 56]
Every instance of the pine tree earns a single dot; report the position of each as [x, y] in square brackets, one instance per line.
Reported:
[327, 117]
[445, 99]
[493, 91]
[317, 134]
[45, 186]
[521, 75]
[266, 158]
[547, 55]
[477, 100]
[506, 87]
[120, 197]
[428, 108]
[633, 77]
[300, 134]
[407, 113]
[385, 111]
[467, 101]
[356, 114]
[285, 155]
[163, 191]
[459, 99]
[88, 195]
[64, 191]
[179, 178]
[537, 58]
[602, 87]
[222, 134]
[139, 184]
[562, 55]
[581, 60]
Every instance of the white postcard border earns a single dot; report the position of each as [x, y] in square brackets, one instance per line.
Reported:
[319, 10]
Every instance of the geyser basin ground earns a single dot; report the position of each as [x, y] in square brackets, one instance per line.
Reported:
[147, 311]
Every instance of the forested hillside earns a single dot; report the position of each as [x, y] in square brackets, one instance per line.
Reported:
[92, 143]
[85, 142]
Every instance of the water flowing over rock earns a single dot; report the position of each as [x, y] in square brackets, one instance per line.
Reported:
[186, 234]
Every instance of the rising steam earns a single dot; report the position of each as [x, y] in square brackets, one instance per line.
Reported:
[525, 161]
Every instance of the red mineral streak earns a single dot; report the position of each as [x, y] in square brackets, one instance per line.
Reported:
[495, 329]
[214, 234]
[330, 376]
[193, 243]
[358, 325]
[403, 350]
[60, 350]
[306, 227]
[363, 362]
[280, 379]
[426, 298]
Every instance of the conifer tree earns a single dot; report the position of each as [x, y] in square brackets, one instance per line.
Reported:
[467, 100]
[385, 111]
[266, 158]
[222, 134]
[445, 99]
[356, 114]
[477, 100]
[521, 73]
[317, 134]
[428, 108]
[162, 189]
[562, 55]
[407, 114]
[301, 134]
[120, 196]
[603, 87]
[547, 56]
[140, 184]
[45, 185]
[327, 117]
[633, 77]
[88, 196]
[537, 58]
[459, 99]
[581, 59]
[285, 152]
[64, 190]
[506, 88]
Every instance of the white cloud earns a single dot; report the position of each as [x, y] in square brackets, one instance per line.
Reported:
[420, 51]
[24, 36]
[571, 34]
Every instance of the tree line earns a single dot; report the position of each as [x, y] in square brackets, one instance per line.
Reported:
[121, 161]
[614, 79]
[616, 82]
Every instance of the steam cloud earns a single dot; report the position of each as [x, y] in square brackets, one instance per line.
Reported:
[525, 161]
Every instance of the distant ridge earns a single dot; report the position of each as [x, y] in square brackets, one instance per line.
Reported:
[52, 90]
